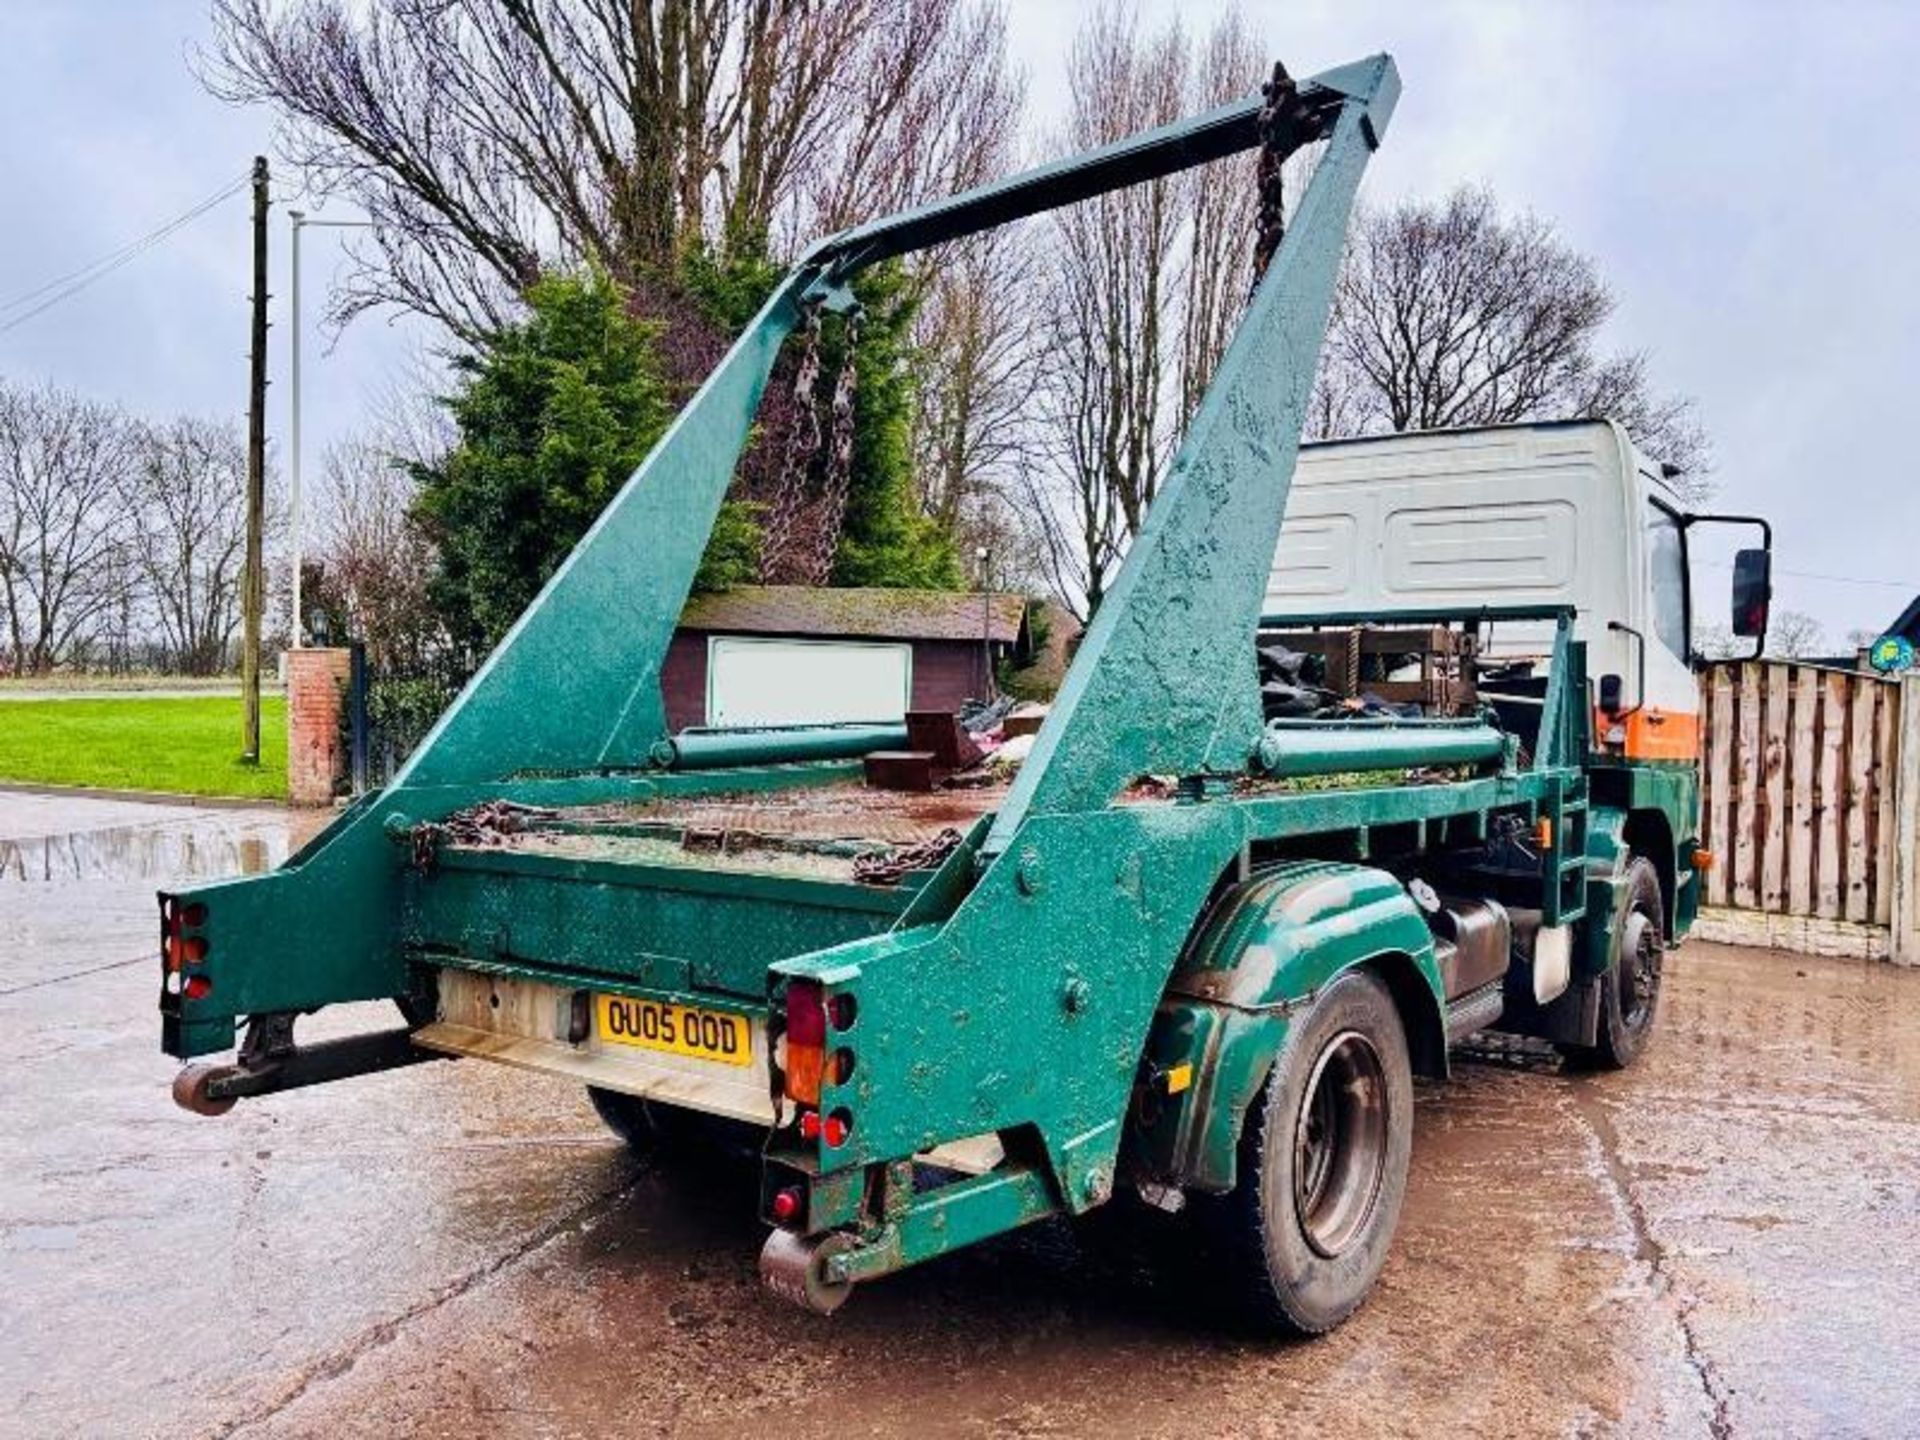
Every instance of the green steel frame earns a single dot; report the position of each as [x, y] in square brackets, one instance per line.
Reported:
[1027, 986]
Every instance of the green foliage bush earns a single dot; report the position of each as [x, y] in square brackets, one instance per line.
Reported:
[556, 412]
[553, 416]
[887, 541]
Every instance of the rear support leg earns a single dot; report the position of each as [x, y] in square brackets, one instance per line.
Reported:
[270, 1060]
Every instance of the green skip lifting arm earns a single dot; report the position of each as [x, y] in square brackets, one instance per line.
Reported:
[575, 684]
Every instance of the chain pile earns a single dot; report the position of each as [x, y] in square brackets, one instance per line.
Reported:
[484, 826]
[890, 867]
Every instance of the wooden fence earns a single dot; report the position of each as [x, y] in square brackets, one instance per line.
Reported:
[1802, 794]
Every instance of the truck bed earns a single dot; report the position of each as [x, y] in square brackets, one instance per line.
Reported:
[813, 831]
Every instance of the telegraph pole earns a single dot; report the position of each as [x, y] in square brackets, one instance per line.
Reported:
[253, 583]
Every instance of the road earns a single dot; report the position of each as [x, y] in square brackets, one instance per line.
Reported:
[1721, 1242]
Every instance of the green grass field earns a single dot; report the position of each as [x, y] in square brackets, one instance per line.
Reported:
[188, 746]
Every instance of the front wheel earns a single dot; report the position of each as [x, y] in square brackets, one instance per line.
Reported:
[1322, 1163]
[1630, 993]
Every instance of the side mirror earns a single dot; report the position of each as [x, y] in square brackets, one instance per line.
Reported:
[1752, 592]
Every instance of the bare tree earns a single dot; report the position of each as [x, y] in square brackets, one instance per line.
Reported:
[1143, 293]
[62, 460]
[932, 107]
[1223, 204]
[373, 560]
[972, 328]
[1794, 635]
[488, 141]
[975, 357]
[1452, 313]
[186, 499]
[1110, 323]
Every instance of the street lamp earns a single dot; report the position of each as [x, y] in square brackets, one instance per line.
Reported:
[301, 222]
[983, 555]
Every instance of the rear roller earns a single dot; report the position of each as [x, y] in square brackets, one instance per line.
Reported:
[794, 1267]
[190, 1090]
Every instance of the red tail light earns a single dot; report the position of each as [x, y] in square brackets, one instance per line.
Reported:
[806, 1041]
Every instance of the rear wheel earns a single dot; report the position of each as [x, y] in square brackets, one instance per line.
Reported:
[1323, 1163]
[649, 1129]
[1630, 994]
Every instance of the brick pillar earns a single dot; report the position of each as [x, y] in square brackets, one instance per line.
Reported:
[316, 694]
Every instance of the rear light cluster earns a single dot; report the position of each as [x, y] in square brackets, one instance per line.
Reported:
[816, 1056]
[183, 949]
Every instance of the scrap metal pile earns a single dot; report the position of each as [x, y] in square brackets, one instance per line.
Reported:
[1377, 671]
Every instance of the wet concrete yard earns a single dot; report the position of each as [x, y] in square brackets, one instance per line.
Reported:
[1723, 1241]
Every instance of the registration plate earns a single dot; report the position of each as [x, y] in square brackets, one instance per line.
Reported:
[676, 1029]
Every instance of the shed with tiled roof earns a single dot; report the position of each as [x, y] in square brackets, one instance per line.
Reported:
[783, 654]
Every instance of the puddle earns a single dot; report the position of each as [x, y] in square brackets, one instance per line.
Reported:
[201, 848]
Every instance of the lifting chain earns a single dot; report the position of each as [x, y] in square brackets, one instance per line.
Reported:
[890, 867]
[1281, 121]
[790, 490]
[838, 479]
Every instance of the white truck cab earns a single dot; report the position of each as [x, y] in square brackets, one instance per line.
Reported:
[1560, 513]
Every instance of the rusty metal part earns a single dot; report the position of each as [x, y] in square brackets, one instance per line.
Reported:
[899, 769]
[941, 732]
[888, 869]
[794, 1267]
[192, 1091]
[1284, 122]
[790, 490]
[484, 826]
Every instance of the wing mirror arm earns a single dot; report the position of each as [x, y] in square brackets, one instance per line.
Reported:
[1752, 580]
[1640, 680]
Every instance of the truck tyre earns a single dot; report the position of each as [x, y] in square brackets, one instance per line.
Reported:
[1322, 1164]
[650, 1129]
[1630, 990]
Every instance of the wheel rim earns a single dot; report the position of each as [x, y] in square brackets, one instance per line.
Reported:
[1639, 969]
[1340, 1143]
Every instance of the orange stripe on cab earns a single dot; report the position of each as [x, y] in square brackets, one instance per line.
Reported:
[1653, 733]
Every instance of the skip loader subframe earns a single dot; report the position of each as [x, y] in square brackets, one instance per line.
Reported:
[1212, 991]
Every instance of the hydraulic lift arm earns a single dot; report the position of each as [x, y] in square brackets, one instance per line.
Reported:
[575, 683]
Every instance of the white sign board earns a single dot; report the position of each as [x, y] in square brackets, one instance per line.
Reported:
[806, 682]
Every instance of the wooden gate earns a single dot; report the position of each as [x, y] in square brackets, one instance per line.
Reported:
[1799, 790]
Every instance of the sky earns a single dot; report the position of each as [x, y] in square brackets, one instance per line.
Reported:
[1743, 172]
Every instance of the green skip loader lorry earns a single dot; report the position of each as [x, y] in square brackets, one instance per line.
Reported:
[1306, 809]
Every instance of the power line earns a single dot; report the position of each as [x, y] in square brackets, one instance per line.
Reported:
[1910, 586]
[132, 247]
[44, 297]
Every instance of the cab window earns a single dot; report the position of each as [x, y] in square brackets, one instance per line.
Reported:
[1667, 574]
